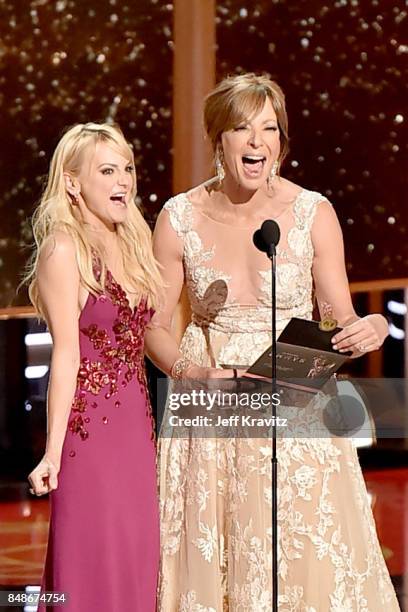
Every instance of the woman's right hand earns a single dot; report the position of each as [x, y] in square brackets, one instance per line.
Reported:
[44, 478]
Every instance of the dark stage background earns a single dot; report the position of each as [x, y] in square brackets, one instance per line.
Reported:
[343, 66]
[64, 62]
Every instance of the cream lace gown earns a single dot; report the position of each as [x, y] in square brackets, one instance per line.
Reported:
[216, 493]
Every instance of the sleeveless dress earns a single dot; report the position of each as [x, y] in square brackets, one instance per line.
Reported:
[215, 494]
[103, 548]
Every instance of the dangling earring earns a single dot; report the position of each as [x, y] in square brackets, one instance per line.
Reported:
[273, 173]
[219, 166]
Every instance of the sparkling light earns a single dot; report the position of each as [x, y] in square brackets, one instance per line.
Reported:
[396, 332]
[341, 66]
[38, 339]
[398, 308]
[67, 62]
[36, 371]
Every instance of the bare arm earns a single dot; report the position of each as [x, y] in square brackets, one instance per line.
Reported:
[161, 346]
[58, 283]
[331, 283]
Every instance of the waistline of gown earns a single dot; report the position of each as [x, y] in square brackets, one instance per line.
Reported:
[247, 319]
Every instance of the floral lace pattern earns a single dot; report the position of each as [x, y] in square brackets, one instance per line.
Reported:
[120, 359]
[215, 494]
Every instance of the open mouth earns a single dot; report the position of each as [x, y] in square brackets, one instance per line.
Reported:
[119, 199]
[253, 164]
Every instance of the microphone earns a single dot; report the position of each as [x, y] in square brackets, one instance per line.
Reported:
[267, 237]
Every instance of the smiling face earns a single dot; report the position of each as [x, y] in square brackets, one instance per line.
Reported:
[105, 185]
[251, 148]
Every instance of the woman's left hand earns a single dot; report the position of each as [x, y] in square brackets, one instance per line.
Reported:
[364, 335]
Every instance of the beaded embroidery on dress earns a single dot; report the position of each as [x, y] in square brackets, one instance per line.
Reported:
[123, 361]
[215, 495]
[104, 527]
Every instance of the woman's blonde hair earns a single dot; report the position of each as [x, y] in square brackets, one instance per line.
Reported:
[239, 98]
[56, 212]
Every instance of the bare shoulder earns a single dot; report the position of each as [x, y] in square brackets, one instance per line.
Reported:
[326, 231]
[287, 189]
[323, 210]
[57, 244]
[59, 281]
[325, 213]
[199, 195]
[58, 253]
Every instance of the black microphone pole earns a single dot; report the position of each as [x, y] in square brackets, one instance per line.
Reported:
[266, 240]
[272, 257]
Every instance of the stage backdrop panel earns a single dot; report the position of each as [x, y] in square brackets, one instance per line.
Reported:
[343, 67]
[70, 61]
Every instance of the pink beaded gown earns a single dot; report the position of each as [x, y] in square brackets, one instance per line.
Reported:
[103, 548]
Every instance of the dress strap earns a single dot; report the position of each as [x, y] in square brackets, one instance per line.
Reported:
[180, 210]
[305, 209]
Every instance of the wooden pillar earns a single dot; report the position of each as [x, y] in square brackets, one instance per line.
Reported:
[193, 78]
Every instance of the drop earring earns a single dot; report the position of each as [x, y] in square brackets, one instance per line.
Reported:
[273, 173]
[219, 166]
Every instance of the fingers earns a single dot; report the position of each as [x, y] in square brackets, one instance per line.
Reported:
[361, 342]
[39, 484]
[347, 332]
[347, 339]
[357, 337]
[43, 479]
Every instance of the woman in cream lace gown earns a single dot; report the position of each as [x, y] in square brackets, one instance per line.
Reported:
[216, 494]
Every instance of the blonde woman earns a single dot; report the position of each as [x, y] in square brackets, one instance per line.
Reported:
[216, 509]
[95, 282]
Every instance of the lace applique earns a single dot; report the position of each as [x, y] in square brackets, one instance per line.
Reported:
[216, 494]
[292, 600]
[198, 276]
[293, 274]
[188, 603]
[254, 593]
[299, 238]
[293, 290]
[181, 214]
[119, 362]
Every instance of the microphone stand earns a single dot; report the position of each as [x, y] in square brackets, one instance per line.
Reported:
[265, 240]
[272, 256]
